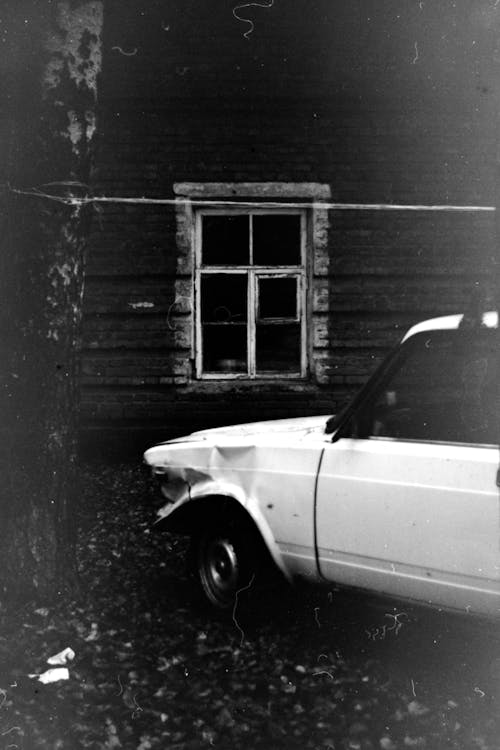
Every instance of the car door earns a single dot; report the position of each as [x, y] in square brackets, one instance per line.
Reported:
[407, 502]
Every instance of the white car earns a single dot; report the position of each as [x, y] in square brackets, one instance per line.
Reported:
[397, 495]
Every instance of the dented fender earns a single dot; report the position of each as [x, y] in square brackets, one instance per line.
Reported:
[268, 469]
[190, 485]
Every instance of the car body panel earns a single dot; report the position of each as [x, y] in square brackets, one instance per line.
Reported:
[426, 520]
[271, 473]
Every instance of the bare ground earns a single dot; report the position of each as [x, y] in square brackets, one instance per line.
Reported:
[287, 669]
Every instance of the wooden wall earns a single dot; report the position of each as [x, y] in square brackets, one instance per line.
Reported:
[384, 102]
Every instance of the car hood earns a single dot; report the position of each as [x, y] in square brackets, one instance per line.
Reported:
[274, 426]
[233, 460]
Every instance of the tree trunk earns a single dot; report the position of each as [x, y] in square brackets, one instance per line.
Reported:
[52, 62]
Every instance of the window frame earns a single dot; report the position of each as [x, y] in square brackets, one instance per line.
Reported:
[253, 273]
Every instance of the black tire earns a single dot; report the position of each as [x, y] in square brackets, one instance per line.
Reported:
[225, 561]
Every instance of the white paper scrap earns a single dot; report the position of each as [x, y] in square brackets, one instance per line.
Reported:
[67, 654]
[52, 675]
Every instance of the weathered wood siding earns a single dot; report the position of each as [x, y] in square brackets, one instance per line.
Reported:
[385, 102]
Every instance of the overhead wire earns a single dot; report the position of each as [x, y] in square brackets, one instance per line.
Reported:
[73, 200]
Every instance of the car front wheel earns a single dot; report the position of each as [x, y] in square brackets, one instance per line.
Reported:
[223, 565]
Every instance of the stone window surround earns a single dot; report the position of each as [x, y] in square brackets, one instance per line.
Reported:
[193, 195]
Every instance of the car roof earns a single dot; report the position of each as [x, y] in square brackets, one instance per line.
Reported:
[450, 322]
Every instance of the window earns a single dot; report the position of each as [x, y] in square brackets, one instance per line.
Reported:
[444, 386]
[250, 293]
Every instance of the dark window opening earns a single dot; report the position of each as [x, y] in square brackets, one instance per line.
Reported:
[224, 298]
[276, 240]
[225, 240]
[278, 348]
[225, 348]
[277, 298]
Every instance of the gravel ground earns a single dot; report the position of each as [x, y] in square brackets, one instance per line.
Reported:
[292, 669]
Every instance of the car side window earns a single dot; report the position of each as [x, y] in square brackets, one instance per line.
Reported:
[443, 387]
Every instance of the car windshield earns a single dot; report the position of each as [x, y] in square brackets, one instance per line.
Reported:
[440, 386]
[340, 418]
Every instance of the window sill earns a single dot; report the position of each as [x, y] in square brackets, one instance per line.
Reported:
[214, 377]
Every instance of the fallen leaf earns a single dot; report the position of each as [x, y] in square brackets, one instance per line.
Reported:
[414, 741]
[94, 633]
[112, 741]
[224, 719]
[417, 709]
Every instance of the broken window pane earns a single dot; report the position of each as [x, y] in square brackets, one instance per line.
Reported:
[224, 298]
[225, 240]
[278, 348]
[278, 298]
[276, 240]
[224, 348]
